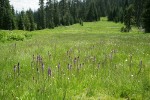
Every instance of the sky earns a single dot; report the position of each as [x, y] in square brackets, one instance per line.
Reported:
[25, 4]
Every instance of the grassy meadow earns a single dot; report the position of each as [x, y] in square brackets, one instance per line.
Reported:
[91, 62]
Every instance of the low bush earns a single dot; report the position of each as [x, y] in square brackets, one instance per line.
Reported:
[16, 37]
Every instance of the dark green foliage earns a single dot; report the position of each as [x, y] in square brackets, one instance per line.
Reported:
[41, 16]
[68, 12]
[49, 14]
[15, 37]
[138, 6]
[27, 22]
[65, 12]
[21, 20]
[81, 22]
[14, 21]
[92, 13]
[56, 14]
[6, 16]
[146, 16]
[115, 15]
[124, 94]
[31, 20]
[128, 17]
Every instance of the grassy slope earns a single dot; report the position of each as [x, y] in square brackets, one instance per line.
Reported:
[110, 64]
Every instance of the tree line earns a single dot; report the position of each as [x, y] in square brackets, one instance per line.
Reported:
[67, 12]
[131, 13]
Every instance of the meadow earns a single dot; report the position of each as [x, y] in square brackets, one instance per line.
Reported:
[91, 62]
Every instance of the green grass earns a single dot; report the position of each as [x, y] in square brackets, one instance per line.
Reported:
[97, 61]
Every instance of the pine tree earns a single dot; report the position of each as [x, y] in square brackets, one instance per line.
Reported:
[92, 13]
[31, 19]
[27, 22]
[65, 12]
[138, 6]
[14, 24]
[50, 14]
[1, 13]
[56, 13]
[21, 19]
[41, 15]
[6, 17]
[146, 16]
[128, 15]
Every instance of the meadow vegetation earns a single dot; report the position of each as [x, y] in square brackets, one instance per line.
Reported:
[91, 62]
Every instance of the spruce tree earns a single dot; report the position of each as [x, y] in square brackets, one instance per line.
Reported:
[128, 15]
[27, 22]
[92, 13]
[21, 20]
[50, 14]
[42, 18]
[65, 12]
[1, 13]
[138, 6]
[14, 21]
[31, 19]
[56, 13]
[6, 17]
[146, 16]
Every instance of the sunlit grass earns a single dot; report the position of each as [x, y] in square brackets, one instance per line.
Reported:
[94, 61]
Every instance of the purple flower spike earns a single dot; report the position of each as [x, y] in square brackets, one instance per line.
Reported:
[49, 72]
[18, 68]
[42, 67]
[14, 68]
[58, 66]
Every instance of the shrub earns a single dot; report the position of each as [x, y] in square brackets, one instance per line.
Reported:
[15, 37]
[28, 36]
[124, 29]
[3, 36]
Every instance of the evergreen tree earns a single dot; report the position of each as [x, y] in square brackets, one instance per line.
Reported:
[41, 15]
[50, 14]
[31, 19]
[138, 6]
[14, 21]
[56, 13]
[27, 22]
[21, 19]
[128, 17]
[146, 16]
[6, 17]
[92, 13]
[65, 12]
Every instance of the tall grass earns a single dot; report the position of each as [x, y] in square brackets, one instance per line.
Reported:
[94, 61]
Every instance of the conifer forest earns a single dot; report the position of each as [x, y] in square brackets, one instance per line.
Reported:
[75, 50]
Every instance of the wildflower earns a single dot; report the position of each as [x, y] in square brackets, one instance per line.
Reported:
[14, 71]
[42, 67]
[33, 77]
[98, 65]
[49, 72]
[67, 53]
[75, 60]
[80, 65]
[69, 67]
[33, 57]
[94, 59]
[18, 68]
[111, 56]
[58, 66]
[37, 70]
[14, 68]
[141, 63]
